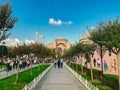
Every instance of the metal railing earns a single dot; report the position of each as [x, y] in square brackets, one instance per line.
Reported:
[34, 82]
[85, 82]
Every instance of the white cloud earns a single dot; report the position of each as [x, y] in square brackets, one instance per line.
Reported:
[12, 42]
[16, 42]
[28, 42]
[58, 22]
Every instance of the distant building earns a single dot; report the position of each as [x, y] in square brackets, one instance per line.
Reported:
[85, 39]
[60, 42]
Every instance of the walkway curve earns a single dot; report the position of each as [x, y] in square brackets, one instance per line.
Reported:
[59, 79]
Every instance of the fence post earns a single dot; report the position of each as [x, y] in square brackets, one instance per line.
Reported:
[86, 82]
[26, 87]
[34, 82]
[97, 88]
[80, 77]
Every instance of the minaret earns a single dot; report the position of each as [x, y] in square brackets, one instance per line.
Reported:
[7, 1]
[43, 40]
[83, 35]
[37, 36]
[92, 29]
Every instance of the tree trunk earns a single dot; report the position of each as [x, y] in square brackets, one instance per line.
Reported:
[76, 63]
[91, 71]
[17, 74]
[39, 66]
[101, 57]
[118, 61]
[81, 69]
[31, 69]
[31, 66]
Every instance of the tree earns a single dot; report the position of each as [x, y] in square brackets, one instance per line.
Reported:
[97, 36]
[11, 54]
[79, 48]
[111, 32]
[6, 20]
[110, 39]
[3, 51]
[89, 52]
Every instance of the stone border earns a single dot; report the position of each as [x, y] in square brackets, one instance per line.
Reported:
[86, 83]
[34, 82]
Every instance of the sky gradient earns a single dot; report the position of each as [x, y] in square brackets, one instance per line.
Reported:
[55, 18]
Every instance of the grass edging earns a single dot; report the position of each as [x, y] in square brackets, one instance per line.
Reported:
[85, 82]
[23, 79]
[34, 82]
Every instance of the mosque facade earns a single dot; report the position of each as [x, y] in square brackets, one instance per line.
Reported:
[60, 42]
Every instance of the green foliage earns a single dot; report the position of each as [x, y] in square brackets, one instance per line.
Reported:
[108, 81]
[11, 54]
[97, 74]
[6, 21]
[38, 50]
[108, 35]
[111, 81]
[112, 36]
[3, 51]
[24, 78]
[79, 48]
[87, 56]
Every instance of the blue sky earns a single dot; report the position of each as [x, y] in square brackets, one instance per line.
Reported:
[55, 18]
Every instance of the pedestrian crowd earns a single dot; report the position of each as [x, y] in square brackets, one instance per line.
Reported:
[14, 63]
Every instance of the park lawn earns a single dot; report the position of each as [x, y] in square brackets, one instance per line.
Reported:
[24, 78]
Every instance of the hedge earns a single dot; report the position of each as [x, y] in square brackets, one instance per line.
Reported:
[106, 79]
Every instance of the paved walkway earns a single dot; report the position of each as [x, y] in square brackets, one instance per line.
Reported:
[59, 79]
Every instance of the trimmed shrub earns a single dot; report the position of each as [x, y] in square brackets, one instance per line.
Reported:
[111, 81]
[97, 74]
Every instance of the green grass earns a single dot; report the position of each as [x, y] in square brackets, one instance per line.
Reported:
[95, 83]
[24, 78]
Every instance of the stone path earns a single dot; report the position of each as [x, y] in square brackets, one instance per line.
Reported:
[59, 79]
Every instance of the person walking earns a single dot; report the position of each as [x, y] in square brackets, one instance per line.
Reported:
[58, 63]
[61, 63]
[55, 63]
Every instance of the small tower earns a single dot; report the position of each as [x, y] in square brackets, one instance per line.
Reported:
[43, 40]
[37, 36]
[83, 34]
[92, 29]
[7, 1]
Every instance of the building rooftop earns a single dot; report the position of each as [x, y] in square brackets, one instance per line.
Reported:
[61, 39]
